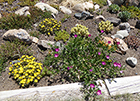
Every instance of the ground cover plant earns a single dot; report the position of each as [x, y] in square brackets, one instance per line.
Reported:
[85, 61]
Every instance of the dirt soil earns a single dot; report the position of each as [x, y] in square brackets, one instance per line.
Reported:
[7, 83]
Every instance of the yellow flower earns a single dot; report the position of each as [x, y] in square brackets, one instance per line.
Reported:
[35, 80]
[22, 85]
[9, 73]
[48, 33]
[31, 80]
[38, 70]
[17, 75]
[20, 77]
[10, 68]
[26, 74]
[38, 77]
[10, 63]
[35, 74]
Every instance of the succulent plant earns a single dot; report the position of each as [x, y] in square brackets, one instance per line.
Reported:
[105, 26]
[113, 8]
[124, 15]
[80, 30]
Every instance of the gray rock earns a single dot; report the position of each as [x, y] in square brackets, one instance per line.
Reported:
[23, 10]
[123, 33]
[109, 2]
[114, 21]
[27, 13]
[45, 43]
[34, 39]
[119, 2]
[44, 6]
[138, 24]
[131, 61]
[20, 34]
[101, 17]
[83, 15]
[65, 10]
[97, 7]
[125, 26]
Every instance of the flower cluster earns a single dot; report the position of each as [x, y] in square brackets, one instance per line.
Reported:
[80, 30]
[26, 70]
[105, 26]
[49, 26]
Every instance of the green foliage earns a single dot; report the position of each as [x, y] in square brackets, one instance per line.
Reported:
[105, 26]
[9, 49]
[100, 2]
[55, 6]
[134, 10]
[124, 15]
[113, 8]
[14, 21]
[61, 35]
[66, 16]
[80, 30]
[35, 33]
[84, 60]
[26, 70]
[49, 26]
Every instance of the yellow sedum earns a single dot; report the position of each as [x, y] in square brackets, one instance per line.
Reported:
[105, 26]
[26, 70]
[80, 30]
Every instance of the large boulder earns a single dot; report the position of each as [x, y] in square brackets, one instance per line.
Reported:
[23, 11]
[65, 10]
[44, 6]
[20, 34]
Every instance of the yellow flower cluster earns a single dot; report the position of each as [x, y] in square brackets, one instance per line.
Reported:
[80, 30]
[105, 26]
[49, 25]
[26, 70]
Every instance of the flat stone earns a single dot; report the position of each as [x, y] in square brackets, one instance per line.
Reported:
[117, 36]
[114, 21]
[100, 17]
[65, 10]
[22, 10]
[131, 61]
[123, 85]
[125, 26]
[123, 33]
[44, 6]
[45, 43]
[34, 39]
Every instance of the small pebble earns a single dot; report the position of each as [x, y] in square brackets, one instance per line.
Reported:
[136, 73]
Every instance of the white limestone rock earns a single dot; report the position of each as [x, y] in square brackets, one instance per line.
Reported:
[65, 10]
[23, 11]
[44, 6]
[45, 43]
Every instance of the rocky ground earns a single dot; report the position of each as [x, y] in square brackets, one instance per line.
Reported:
[9, 84]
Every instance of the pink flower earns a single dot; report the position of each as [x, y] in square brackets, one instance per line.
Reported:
[57, 49]
[92, 85]
[75, 35]
[103, 63]
[118, 43]
[102, 31]
[99, 53]
[56, 55]
[109, 42]
[71, 66]
[121, 71]
[119, 64]
[115, 64]
[99, 92]
[68, 68]
[91, 70]
[89, 35]
[107, 57]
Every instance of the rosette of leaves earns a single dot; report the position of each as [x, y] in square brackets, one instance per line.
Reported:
[124, 15]
[113, 8]
[61, 35]
[80, 30]
[49, 26]
[105, 26]
[26, 70]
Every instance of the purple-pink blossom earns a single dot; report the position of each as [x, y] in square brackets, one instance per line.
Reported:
[75, 35]
[71, 66]
[68, 68]
[56, 49]
[89, 35]
[119, 64]
[56, 55]
[99, 53]
[92, 85]
[99, 92]
[107, 57]
[118, 43]
[115, 64]
[121, 71]
[91, 70]
[102, 31]
[109, 42]
[103, 63]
